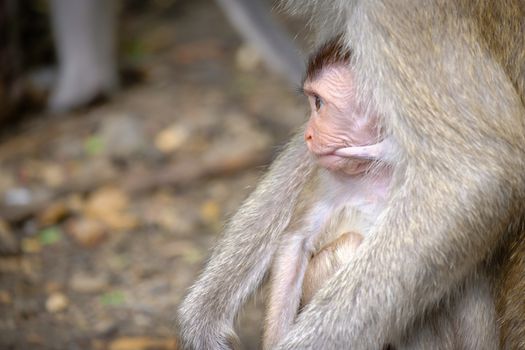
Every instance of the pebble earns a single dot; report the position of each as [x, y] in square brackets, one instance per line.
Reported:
[56, 302]
[171, 138]
[18, 196]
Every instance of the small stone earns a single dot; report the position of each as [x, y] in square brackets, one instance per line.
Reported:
[56, 302]
[87, 232]
[84, 283]
[18, 196]
[171, 138]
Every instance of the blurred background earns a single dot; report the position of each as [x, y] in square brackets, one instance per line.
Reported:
[129, 132]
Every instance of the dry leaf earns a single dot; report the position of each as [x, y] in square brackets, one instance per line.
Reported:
[210, 212]
[109, 205]
[31, 245]
[142, 343]
[88, 232]
[52, 214]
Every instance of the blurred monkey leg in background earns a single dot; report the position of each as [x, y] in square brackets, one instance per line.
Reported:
[252, 20]
[85, 40]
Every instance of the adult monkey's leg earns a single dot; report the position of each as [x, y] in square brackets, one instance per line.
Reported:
[253, 22]
[85, 39]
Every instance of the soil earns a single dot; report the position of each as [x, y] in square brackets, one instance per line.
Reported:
[108, 212]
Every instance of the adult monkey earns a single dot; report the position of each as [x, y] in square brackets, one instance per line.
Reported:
[449, 79]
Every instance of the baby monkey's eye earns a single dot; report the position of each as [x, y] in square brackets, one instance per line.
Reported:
[318, 103]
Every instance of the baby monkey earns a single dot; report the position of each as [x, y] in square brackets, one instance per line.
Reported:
[338, 208]
[344, 198]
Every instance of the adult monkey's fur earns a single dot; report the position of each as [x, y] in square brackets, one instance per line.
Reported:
[449, 79]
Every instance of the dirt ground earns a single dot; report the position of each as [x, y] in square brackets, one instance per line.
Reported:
[107, 213]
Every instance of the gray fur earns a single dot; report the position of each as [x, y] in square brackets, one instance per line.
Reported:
[226, 283]
[85, 35]
[455, 111]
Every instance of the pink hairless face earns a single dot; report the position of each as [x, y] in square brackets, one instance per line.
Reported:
[340, 133]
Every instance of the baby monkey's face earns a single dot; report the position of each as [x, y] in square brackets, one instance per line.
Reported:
[338, 126]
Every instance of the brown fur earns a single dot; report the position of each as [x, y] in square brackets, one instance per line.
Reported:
[507, 19]
[331, 52]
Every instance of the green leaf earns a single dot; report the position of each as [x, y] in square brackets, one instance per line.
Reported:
[50, 235]
[113, 298]
[93, 145]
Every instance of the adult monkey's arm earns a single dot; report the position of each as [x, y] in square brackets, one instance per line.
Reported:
[244, 252]
[449, 102]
